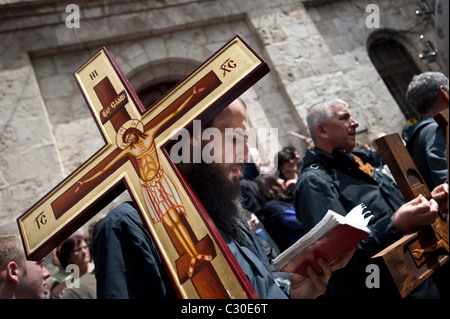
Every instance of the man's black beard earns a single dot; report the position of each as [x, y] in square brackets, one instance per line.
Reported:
[220, 196]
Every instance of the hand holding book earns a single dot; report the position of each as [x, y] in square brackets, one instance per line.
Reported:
[334, 236]
[316, 283]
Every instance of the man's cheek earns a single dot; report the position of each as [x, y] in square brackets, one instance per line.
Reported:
[227, 152]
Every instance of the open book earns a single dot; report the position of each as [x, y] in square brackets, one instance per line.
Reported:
[330, 238]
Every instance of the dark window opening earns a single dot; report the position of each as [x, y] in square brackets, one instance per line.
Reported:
[153, 93]
[396, 68]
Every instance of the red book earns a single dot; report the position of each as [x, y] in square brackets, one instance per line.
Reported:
[330, 238]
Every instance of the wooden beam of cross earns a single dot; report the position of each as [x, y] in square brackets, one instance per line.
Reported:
[135, 158]
[416, 256]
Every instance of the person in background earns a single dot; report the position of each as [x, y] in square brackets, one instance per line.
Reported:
[428, 94]
[20, 278]
[288, 161]
[278, 214]
[73, 251]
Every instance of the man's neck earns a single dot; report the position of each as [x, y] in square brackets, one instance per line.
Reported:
[440, 105]
[330, 149]
[5, 292]
[324, 147]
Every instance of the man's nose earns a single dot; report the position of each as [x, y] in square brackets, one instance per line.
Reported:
[45, 273]
[354, 123]
[246, 151]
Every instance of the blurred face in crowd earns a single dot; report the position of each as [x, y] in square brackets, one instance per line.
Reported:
[80, 254]
[290, 162]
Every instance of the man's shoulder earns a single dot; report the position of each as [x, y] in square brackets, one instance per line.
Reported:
[422, 127]
[428, 126]
[124, 211]
[124, 218]
[124, 224]
[316, 170]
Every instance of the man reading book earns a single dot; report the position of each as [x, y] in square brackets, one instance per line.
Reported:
[336, 177]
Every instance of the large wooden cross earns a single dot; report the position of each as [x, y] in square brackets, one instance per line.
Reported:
[416, 256]
[135, 158]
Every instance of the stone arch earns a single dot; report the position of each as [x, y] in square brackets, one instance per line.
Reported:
[164, 70]
[157, 60]
[410, 46]
[395, 64]
[154, 79]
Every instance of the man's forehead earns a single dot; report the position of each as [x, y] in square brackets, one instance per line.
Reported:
[229, 116]
[341, 109]
[35, 262]
[236, 132]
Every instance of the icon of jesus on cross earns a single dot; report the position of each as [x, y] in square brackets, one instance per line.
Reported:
[159, 192]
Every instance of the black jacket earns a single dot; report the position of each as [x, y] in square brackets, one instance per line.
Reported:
[127, 264]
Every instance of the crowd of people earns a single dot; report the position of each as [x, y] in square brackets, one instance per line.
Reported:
[260, 215]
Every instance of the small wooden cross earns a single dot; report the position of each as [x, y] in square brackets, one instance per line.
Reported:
[135, 158]
[416, 256]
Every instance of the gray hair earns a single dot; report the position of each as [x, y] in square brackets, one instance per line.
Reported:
[424, 89]
[321, 113]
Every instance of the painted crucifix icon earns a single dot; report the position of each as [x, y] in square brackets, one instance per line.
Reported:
[160, 194]
[135, 158]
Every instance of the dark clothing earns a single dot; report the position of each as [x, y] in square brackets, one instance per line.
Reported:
[281, 222]
[252, 258]
[426, 143]
[334, 181]
[251, 172]
[250, 197]
[127, 264]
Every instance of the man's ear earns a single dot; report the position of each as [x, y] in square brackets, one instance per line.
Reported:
[444, 93]
[13, 271]
[321, 130]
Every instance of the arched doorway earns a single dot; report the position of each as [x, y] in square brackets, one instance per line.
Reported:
[397, 68]
[152, 93]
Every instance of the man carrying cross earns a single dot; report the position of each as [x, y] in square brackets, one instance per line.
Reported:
[127, 265]
[138, 256]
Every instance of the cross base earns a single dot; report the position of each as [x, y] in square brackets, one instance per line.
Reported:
[407, 271]
[204, 278]
[204, 247]
[415, 257]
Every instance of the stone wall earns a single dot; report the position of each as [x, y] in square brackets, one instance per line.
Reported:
[315, 51]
